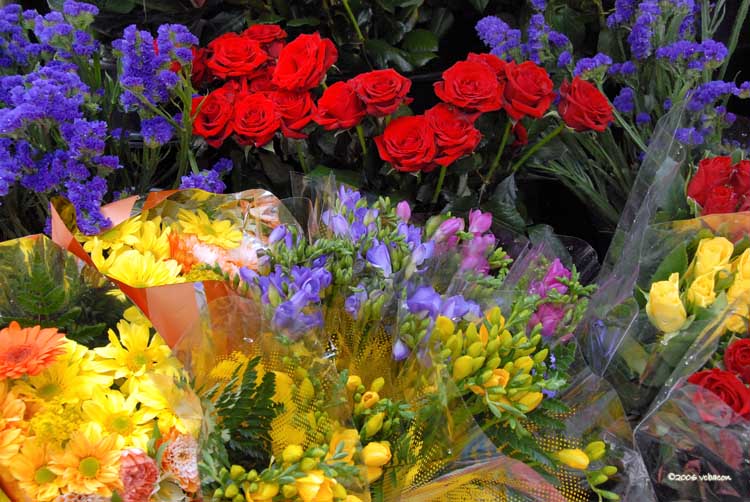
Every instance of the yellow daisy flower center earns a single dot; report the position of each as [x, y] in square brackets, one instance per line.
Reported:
[89, 467]
[138, 361]
[43, 475]
[121, 424]
[48, 391]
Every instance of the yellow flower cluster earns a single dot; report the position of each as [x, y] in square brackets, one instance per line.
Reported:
[64, 429]
[712, 270]
[491, 362]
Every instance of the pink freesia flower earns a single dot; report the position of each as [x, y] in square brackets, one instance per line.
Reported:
[479, 222]
[551, 280]
[549, 316]
[403, 211]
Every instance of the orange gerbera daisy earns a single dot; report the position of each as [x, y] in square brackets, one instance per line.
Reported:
[27, 351]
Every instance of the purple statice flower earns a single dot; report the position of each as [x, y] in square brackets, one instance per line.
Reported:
[223, 165]
[642, 118]
[551, 280]
[625, 100]
[706, 94]
[641, 33]
[590, 67]
[86, 139]
[83, 44]
[403, 211]
[557, 39]
[549, 316]
[689, 136]
[400, 350]
[87, 198]
[156, 131]
[539, 5]
[175, 40]
[499, 37]
[536, 35]
[79, 9]
[690, 21]
[379, 257]
[15, 47]
[744, 90]
[623, 13]
[698, 56]
[667, 104]
[479, 222]
[626, 68]
[208, 180]
[564, 59]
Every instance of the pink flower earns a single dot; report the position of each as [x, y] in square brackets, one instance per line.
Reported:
[549, 316]
[139, 474]
[551, 280]
[403, 211]
[479, 222]
[475, 253]
[446, 236]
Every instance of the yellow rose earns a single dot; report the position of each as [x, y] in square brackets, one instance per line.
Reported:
[738, 296]
[574, 458]
[349, 439]
[376, 454]
[712, 254]
[701, 292]
[664, 307]
[741, 265]
[315, 487]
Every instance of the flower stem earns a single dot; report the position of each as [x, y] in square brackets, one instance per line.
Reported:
[361, 136]
[500, 150]
[531, 151]
[739, 22]
[439, 185]
[301, 156]
[353, 19]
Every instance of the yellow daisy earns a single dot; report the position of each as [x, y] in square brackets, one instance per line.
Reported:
[31, 469]
[90, 462]
[54, 421]
[119, 415]
[222, 233]
[124, 234]
[140, 270]
[12, 425]
[153, 238]
[175, 406]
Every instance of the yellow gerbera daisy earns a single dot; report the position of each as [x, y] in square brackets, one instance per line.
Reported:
[175, 406]
[90, 462]
[124, 234]
[119, 415]
[221, 233]
[31, 469]
[12, 425]
[140, 270]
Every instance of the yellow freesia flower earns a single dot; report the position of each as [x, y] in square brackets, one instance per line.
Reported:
[120, 415]
[222, 233]
[140, 270]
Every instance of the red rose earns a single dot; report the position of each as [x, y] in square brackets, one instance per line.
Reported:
[737, 358]
[471, 85]
[727, 386]
[200, 73]
[583, 107]
[408, 143]
[339, 108]
[740, 178]
[304, 62]
[712, 172]
[494, 62]
[263, 80]
[214, 117]
[528, 91]
[720, 200]
[455, 133]
[271, 37]
[521, 134]
[296, 110]
[256, 119]
[233, 55]
[382, 91]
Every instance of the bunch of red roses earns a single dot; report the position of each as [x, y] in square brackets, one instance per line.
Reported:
[730, 384]
[720, 186]
[485, 83]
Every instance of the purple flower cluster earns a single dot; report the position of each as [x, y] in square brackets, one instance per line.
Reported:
[147, 69]
[64, 34]
[691, 136]
[588, 67]
[156, 131]
[623, 13]
[705, 55]
[641, 33]
[16, 50]
[502, 40]
[625, 101]
[642, 118]
[549, 315]
[210, 179]
[426, 300]
[707, 94]
[626, 68]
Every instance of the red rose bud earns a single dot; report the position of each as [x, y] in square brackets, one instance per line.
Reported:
[271, 37]
[583, 107]
[472, 86]
[200, 73]
[214, 117]
[521, 134]
[740, 179]
[455, 133]
[304, 62]
[528, 91]
[737, 358]
[233, 55]
[712, 172]
[726, 386]
[408, 143]
[296, 110]
[720, 200]
[339, 108]
[256, 119]
[382, 91]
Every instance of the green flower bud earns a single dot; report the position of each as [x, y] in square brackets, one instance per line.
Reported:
[598, 479]
[477, 363]
[377, 384]
[493, 363]
[609, 470]
[218, 493]
[596, 450]
[236, 472]
[231, 491]
[308, 464]
[541, 356]
[252, 475]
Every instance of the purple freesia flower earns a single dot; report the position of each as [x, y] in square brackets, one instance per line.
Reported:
[551, 280]
[403, 211]
[379, 257]
[457, 307]
[349, 197]
[474, 253]
[424, 299]
[479, 222]
[400, 350]
[353, 303]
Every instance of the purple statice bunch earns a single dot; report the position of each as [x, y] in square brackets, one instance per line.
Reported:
[593, 68]
[506, 42]
[502, 40]
[16, 50]
[210, 180]
[641, 33]
[65, 34]
[293, 296]
[625, 100]
[623, 13]
[707, 94]
[156, 131]
[148, 71]
[624, 69]
[706, 55]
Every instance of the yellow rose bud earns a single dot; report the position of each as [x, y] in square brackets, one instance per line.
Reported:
[741, 265]
[347, 440]
[370, 399]
[314, 487]
[575, 458]
[523, 364]
[444, 328]
[531, 400]
[738, 322]
[373, 473]
[595, 450]
[353, 382]
[376, 454]
[266, 491]
[377, 384]
[712, 254]
[292, 453]
[664, 307]
[739, 290]
[701, 292]
[374, 424]
[462, 368]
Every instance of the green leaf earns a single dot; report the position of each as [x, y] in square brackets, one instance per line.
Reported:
[608, 495]
[420, 40]
[384, 53]
[675, 261]
[303, 21]
[479, 5]
[268, 18]
[503, 205]
[741, 246]
[351, 178]
[441, 21]
[419, 59]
